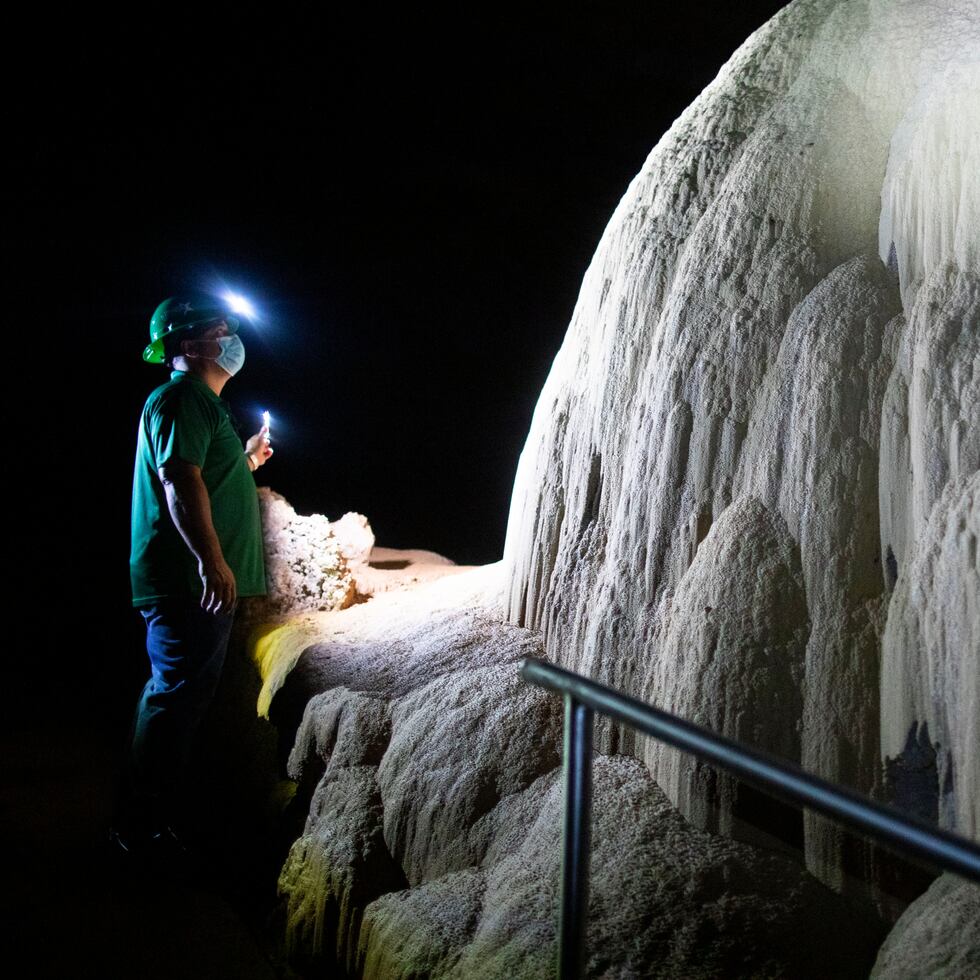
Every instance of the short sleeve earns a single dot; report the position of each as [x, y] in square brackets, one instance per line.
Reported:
[181, 424]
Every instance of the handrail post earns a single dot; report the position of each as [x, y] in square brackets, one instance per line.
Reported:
[583, 696]
[577, 838]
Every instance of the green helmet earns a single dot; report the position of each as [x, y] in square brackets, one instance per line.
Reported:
[181, 313]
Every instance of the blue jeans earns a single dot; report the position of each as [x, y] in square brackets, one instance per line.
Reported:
[187, 649]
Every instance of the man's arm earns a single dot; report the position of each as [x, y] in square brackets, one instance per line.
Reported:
[190, 509]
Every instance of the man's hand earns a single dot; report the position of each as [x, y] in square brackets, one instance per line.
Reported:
[259, 446]
[190, 510]
[220, 590]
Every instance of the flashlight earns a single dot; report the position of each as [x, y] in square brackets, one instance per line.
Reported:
[266, 417]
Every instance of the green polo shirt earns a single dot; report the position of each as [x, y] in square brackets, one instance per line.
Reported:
[184, 418]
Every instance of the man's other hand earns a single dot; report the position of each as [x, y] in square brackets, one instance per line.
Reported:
[259, 446]
[220, 590]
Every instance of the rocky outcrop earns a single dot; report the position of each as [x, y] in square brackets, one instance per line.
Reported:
[667, 900]
[937, 937]
[433, 841]
[341, 862]
[460, 744]
[419, 727]
[307, 564]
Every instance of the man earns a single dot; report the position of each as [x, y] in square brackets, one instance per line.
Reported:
[196, 549]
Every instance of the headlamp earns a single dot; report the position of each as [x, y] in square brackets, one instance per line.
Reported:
[239, 304]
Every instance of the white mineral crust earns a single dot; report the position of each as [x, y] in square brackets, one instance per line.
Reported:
[938, 936]
[750, 495]
[784, 307]
[433, 841]
[307, 565]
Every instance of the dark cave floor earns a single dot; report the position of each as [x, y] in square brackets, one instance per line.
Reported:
[72, 911]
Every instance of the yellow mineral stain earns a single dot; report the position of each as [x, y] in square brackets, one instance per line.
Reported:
[275, 648]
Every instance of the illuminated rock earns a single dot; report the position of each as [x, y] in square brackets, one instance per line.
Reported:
[419, 726]
[783, 306]
[732, 649]
[354, 537]
[304, 565]
[336, 868]
[938, 936]
[750, 479]
[931, 667]
[666, 900]
[340, 863]
[460, 744]
[395, 568]
[432, 844]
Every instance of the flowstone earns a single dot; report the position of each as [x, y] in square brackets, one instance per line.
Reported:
[433, 841]
[732, 652]
[750, 495]
[667, 900]
[783, 307]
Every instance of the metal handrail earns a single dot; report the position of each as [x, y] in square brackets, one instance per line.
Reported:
[584, 696]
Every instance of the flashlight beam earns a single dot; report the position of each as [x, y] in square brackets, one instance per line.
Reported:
[239, 304]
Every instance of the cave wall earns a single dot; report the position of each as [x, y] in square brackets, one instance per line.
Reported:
[749, 488]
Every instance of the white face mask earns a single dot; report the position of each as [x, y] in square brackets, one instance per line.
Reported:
[232, 355]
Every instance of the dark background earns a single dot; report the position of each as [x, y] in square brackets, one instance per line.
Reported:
[410, 200]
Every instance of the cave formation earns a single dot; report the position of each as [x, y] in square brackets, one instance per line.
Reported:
[750, 495]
